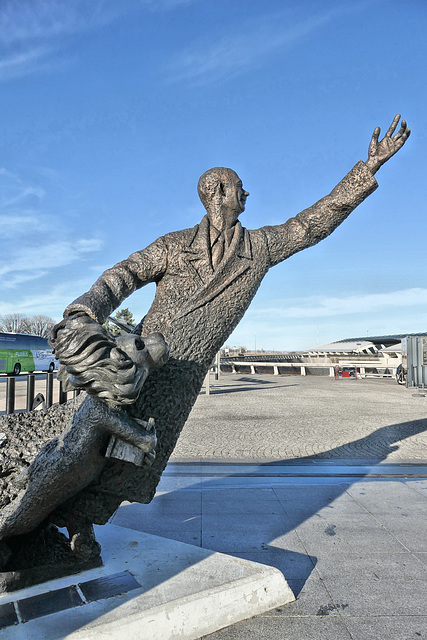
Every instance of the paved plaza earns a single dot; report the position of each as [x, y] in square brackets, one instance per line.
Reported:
[266, 417]
[324, 480]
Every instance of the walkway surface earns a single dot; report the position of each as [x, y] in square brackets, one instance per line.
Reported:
[353, 549]
[347, 526]
[264, 417]
[325, 480]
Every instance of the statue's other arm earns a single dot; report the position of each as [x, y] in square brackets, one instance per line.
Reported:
[117, 283]
[318, 221]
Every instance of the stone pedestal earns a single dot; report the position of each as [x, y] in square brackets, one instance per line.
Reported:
[149, 587]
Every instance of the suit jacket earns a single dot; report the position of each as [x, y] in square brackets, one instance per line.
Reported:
[197, 307]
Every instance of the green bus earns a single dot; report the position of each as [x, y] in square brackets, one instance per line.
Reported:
[21, 352]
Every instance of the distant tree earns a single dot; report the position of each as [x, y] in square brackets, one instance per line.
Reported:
[13, 323]
[40, 326]
[34, 325]
[125, 316]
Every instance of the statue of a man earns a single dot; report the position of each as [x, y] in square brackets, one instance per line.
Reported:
[206, 278]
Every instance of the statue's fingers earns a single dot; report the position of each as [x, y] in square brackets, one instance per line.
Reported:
[393, 126]
[401, 131]
[403, 138]
[376, 134]
[374, 141]
[149, 459]
[58, 327]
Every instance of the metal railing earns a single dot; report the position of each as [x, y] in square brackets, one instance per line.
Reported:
[33, 399]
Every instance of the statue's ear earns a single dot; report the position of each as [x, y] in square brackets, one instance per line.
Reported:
[221, 188]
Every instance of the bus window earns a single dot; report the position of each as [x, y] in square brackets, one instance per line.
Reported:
[24, 353]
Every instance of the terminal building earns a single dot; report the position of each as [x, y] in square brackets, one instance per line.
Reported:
[373, 356]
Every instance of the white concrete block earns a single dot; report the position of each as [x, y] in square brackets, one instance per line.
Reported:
[186, 592]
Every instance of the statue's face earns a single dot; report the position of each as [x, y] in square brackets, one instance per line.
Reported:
[234, 200]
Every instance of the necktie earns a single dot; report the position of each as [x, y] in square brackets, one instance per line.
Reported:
[218, 250]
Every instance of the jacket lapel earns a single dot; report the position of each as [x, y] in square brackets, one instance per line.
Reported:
[237, 259]
[196, 252]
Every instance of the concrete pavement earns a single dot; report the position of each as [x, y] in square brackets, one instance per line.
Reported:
[353, 549]
[324, 480]
[261, 418]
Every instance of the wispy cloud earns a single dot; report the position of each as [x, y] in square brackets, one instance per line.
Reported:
[29, 232]
[40, 258]
[14, 190]
[32, 31]
[166, 5]
[43, 19]
[52, 301]
[21, 224]
[20, 207]
[244, 48]
[317, 307]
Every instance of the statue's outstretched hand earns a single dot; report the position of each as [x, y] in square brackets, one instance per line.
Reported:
[382, 150]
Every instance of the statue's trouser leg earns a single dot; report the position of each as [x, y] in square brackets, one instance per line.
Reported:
[82, 537]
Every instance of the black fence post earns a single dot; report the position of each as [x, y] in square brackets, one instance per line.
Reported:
[62, 394]
[49, 390]
[30, 390]
[10, 395]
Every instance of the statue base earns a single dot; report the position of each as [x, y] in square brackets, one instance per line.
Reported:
[14, 580]
[41, 555]
[148, 587]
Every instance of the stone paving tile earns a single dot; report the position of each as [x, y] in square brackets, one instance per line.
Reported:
[313, 599]
[379, 597]
[184, 527]
[373, 566]
[335, 539]
[312, 514]
[329, 532]
[293, 565]
[311, 517]
[170, 484]
[239, 495]
[418, 485]
[272, 628]
[319, 494]
[386, 496]
[422, 557]
[410, 531]
[234, 533]
[259, 501]
[174, 503]
[391, 627]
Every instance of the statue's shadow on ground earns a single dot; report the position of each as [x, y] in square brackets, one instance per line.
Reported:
[241, 384]
[258, 522]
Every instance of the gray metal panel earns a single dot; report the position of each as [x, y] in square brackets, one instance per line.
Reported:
[417, 361]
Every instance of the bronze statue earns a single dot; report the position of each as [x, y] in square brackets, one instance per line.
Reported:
[206, 278]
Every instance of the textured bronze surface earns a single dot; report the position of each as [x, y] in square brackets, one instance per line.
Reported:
[206, 278]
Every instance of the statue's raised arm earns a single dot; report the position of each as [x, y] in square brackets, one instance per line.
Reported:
[321, 219]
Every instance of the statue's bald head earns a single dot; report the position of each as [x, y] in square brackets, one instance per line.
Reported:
[210, 183]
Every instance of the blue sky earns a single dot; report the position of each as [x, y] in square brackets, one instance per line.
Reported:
[111, 111]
